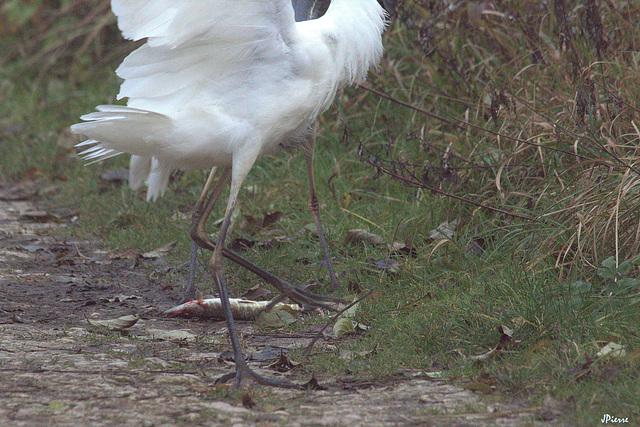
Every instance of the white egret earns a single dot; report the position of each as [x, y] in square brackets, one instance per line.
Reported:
[219, 83]
[146, 170]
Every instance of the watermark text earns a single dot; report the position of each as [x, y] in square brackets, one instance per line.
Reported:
[606, 419]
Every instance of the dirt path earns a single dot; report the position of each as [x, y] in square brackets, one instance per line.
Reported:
[56, 369]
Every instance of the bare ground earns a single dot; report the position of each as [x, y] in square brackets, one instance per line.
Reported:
[56, 369]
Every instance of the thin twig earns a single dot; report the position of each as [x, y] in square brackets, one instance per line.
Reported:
[575, 135]
[417, 184]
[462, 123]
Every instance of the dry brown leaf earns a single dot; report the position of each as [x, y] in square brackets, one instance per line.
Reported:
[118, 324]
[128, 253]
[275, 319]
[612, 349]
[482, 387]
[358, 235]
[161, 251]
[445, 230]
[171, 335]
[39, 216]
[256, 292]
[283, 364]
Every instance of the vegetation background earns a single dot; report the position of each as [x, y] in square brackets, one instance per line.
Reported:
[494, 154]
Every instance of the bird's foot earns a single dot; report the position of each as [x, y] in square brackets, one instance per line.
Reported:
[244, 372]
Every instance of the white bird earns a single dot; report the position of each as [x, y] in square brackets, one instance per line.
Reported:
[219, 83]
[146, 170]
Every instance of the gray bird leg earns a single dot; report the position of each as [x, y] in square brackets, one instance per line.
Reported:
[309, 149]
[202, 211]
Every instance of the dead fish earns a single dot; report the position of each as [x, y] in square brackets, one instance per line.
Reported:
[242, 309]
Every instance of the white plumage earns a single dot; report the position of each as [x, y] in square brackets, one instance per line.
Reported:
[221, 82]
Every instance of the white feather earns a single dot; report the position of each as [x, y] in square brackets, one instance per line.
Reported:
[223, 81]
[139, 169]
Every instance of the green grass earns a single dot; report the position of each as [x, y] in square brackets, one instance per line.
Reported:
[516, 81]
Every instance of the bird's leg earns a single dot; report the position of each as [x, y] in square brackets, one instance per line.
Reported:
[200, 217]
[308, 149]
[242, 368]
[190, 293]
[199, 235]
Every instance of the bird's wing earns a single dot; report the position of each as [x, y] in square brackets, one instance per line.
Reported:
[178, 25]
[192, 43]
[309, 9]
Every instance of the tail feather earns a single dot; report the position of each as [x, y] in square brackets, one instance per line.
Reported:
[117, 129]
[97, 153]
[152, 172]
[158, 180]
[139, 168]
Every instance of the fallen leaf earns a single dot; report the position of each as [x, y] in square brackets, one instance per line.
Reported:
[270, 219]
[396, 247]
[506, 337]
[256, 292]
[436, 374]
[118, 324]
[252, 224]
[475, 247]
[551, 408]
[161, 251]
[283, 364]
[252, 189]
[505, 330]
[445, 230]
[406, 248]
[275, 319]
[39, 216]
[247, 401]
[312, 384]
[121, 298]
[128, 253]
[342, 327]
[389, 265]
[19, 192]
[485, 356]
[482, 387]
[239, 244]
[350, 355]
[268, 353]
[358, 235]
[361, 327]
[117, 176]
[612, 349]
[351, 311]
[171, 335]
